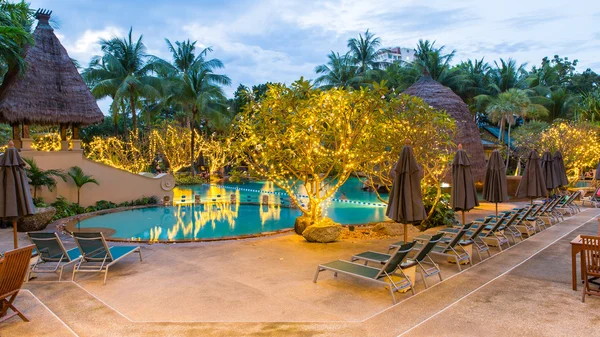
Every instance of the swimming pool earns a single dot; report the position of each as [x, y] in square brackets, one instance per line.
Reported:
[219, 218]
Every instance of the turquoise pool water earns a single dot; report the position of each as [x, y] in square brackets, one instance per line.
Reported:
[220, 218]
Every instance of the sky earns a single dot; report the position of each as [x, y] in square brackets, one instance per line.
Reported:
[282, 40]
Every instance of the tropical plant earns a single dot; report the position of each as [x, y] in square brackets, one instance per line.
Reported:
[588, 108]
[364, 51]
[436, 63]
[15, 26]
[39, 178]
[80, 179]
[123, 74]
[340, 71]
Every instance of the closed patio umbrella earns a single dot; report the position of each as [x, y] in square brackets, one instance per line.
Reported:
[16, 198]
[550, 177]
[559, 168]
[532, 184]
[464, 194]
[494, 186]
[597, 175]
[405, 204]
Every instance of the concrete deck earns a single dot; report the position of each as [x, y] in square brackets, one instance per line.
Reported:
[263, 287]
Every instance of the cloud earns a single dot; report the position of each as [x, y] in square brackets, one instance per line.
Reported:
[86, 45]
[528, 21]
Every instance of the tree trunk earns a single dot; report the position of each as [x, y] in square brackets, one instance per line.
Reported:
[507, 150]
[35, 188]
[78, 190]
[193, 142]
[125, 127]
[501, 133]
[116, 124]
[133, 114]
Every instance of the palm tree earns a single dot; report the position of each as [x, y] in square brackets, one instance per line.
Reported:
[477, 79]
[434, 62]
[15, 26]
[508, 75]
[503, 109]
[364, 51]
[42, 178]
[123, 74]
[195, 85]
[201, 94]
[80, 179]
[339, 71]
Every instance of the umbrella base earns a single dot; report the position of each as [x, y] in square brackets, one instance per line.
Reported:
[468, 249]
[410, 272]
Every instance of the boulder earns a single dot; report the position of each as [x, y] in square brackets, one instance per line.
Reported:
[301, 223]
[37, 221]
[393, 228]
[323, 232]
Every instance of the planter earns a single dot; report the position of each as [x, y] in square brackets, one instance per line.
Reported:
[37, 221]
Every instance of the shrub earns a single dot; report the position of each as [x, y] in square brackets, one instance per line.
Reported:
[65, 208]
[186, 179]
[443, 214]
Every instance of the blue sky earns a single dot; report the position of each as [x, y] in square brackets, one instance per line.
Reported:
[279, 41]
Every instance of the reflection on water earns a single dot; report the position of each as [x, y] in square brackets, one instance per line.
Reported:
[222, 215]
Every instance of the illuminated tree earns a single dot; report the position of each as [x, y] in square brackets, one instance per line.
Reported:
[301, 136]
[429, 132]
[174, 144]
[133, 155]
[218, 151]
[579, 144]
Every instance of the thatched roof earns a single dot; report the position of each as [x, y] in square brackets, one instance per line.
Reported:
[51, 91]
[467, 133]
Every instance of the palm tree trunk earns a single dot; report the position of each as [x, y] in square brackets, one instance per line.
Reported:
[193, 142]
[133, 114]
[125, 128]
[78, 190]
[507, 150]
[116, 123]
[35, 188]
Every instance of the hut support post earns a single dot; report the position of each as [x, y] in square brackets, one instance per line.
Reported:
[75, 138]
[16, 135]
[64, 143]
[26, 142]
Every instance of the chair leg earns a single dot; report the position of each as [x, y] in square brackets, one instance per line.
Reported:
[140, 251]
[424, 279]
[458, 263]
[317, 274]
[583, 290]
[105, 274]
[60, 273]
[392, 288]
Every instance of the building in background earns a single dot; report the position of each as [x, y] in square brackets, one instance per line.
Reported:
[388, 56]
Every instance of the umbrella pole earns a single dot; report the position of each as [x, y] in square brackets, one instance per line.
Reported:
[405, 233]
[15, 233]
[496, 211]
[463, 217]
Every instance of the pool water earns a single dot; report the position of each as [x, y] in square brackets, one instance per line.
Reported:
[220, 218]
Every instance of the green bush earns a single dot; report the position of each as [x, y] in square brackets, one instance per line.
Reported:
[443, 215]
[187, 179]
[237, 176]
[65, 208]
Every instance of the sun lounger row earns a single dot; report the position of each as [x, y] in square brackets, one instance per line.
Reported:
[389, 269]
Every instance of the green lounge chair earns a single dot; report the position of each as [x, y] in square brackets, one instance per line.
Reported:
[427, 267]
[382, 276]
[473, 238]
[52, 255]
[97, 256]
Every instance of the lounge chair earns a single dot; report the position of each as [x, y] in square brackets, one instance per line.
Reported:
[451, 248]
[13, 268]
[421, 259]
[494, 233]
[382, 276]
[593, 200]
[473, 238]
[97, 256]
[508, 227]
[52, 255]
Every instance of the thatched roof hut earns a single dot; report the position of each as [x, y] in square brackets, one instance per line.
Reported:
[51, 90]
[467, 133]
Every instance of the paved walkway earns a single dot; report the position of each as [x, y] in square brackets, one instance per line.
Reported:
[263, 287]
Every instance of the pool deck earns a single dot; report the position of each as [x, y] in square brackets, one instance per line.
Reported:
[263, 287]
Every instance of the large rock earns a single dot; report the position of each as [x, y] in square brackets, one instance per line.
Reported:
[393, 229]
[323, 232]
[301, 223]
[37, 221]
